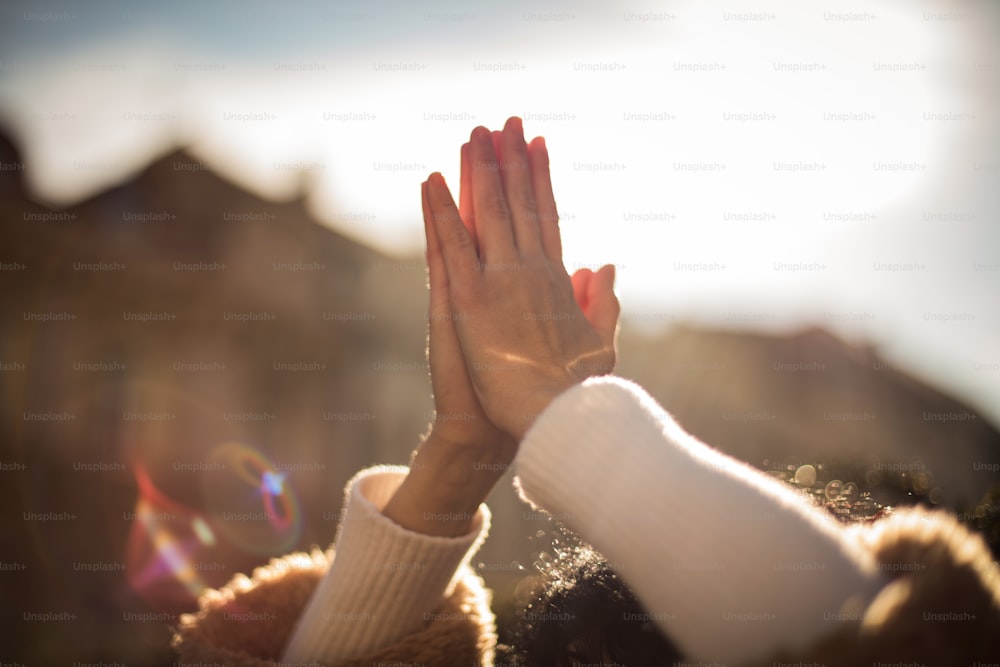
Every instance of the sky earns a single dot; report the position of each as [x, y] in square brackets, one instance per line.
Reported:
[797, 163]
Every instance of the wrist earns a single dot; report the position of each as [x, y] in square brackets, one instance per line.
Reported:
[461, 472]
[535, 403]
[445, 486]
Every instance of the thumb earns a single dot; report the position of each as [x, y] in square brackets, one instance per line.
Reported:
[581, 283]
[602, 304]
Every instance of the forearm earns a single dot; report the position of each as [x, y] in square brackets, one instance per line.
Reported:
[722, 556]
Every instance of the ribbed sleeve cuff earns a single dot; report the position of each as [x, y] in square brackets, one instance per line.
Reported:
[728, 562]
[385, 581]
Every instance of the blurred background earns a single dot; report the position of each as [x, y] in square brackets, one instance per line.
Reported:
[212, 284]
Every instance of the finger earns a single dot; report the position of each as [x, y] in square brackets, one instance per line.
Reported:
[516, 177]
[457, 249]
[493, 224]
[603, 308]
[581, 280]
[465, 209]
[443, 347]
[545, 202]
[437, 273]
[496, 135]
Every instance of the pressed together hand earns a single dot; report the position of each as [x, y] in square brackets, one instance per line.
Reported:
[509, 328]
[527, 331]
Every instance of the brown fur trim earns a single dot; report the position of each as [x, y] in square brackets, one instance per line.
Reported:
[248, 621]
[942, 606]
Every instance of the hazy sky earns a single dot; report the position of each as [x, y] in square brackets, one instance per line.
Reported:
[830, 162]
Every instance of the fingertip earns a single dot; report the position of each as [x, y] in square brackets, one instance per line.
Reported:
[479, 133]
[425, 207]
[539, 143]
[602, 289]
[515, 124]
[609, 272]
[538, 152]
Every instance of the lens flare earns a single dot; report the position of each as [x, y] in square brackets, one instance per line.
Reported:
[164, 539]
[248, 505]
[250, 502]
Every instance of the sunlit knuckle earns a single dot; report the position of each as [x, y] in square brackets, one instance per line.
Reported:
[496, 207]
[458, 238]
[533, 257]
[525, 202]
[446, 216]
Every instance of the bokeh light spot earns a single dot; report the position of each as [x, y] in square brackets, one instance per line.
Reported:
[250, 502]
[271, 483]
[202, 530]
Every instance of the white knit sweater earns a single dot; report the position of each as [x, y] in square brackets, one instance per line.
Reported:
[730, 563]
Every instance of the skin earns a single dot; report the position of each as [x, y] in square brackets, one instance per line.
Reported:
[509, 328]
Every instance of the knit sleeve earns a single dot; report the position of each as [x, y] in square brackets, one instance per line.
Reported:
[386, 580]
[389, 596]
[730, 563]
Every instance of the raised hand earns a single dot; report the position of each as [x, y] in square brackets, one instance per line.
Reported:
[465, 453]
[526, 329]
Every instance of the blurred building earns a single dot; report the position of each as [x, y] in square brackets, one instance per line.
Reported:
[143, 330]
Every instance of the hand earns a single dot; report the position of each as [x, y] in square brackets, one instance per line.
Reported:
[465, 454]
[526, 329]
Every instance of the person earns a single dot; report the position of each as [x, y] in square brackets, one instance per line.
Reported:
[726, 564]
